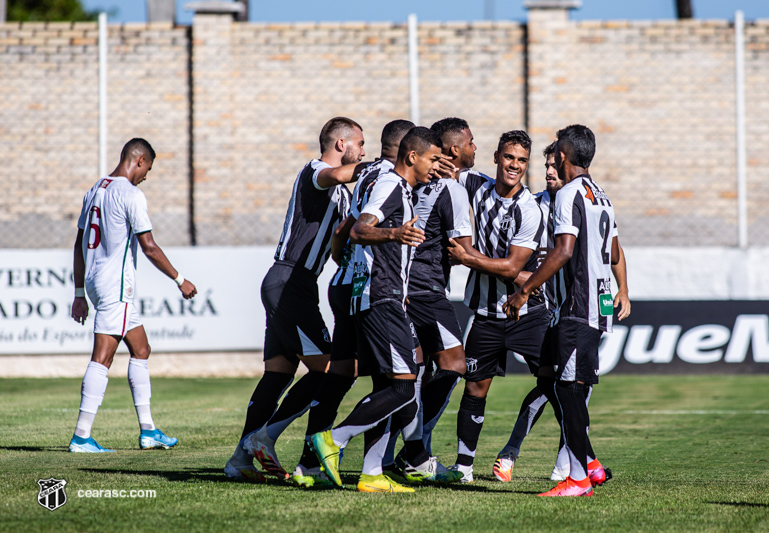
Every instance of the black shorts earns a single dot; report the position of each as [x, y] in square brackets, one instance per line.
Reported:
[295, 326]
[489, 340]
[385, 340]
[571, 349]
[344, 343]
[435, 322]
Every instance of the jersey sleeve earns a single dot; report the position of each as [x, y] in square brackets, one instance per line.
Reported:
[614, 231]
[460, 210]
[530, 230]
[568, 218]
[138, 216]
[377, 204]
[83, 219]
[472, 181]
[317, 166]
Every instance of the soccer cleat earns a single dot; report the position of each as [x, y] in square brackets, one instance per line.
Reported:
[328, 454]
[86, 445]
[597, 473]
[241, 467]
[466, 471]
[380, 483]
[150, 439]
[430, 471]
[503, 467]
[569, 487]
[560, 473]
[311, 478]
[258, 444]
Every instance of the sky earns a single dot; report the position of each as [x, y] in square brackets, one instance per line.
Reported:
[441, 10]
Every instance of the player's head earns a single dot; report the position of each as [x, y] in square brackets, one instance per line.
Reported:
[575, 144]
[457, 140]
[345, 136]
[512, 157]
[392, 135]
[138, 156]
[551, 174]
[420, 150]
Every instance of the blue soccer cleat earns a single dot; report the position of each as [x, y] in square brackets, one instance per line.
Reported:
[154, 438]
[86, 445]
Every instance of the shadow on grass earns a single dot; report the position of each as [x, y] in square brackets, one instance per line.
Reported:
[183, 476]
[741, 504]
[64, 449]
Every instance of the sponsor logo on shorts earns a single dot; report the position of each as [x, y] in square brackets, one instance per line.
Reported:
[472, 365]
[51, 495]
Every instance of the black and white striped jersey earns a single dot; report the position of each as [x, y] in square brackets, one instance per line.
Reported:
[381, 271]
[554, 285]
[499, 224]
[444, 213]
[366, 176]
[313, 215]
[582, 209]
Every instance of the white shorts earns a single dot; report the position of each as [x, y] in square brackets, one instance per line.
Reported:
[116, 319]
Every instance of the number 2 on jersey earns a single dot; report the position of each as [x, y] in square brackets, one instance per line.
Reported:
[605, 232]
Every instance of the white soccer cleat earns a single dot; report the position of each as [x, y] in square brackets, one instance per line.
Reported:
[258, 444]
[503, 467]
[241, 467]
[466, 471]
[560, 474]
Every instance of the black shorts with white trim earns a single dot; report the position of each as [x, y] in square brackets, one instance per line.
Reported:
[385, 340]
[571, 349]
[435, 322]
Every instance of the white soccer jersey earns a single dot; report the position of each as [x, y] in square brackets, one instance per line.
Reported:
[114, 212]
[582, 209]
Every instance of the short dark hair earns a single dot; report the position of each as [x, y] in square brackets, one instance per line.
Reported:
[450, 126]
[515, 137]
[394, 131]
[419, 139]
[577, 143]
[336, 128]
[549, 150]
[137, 147]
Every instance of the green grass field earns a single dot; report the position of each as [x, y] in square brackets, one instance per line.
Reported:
[688, 454]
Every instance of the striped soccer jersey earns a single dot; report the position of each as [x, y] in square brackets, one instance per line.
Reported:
[313, 215]
[381, 271]
[367, 175]
[500, 223]
[444, 213]
[554, 285]
[583, 209]
[114, 212]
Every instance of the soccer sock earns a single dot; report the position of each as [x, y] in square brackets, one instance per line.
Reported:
[590, 453]
[264, 400]
[296, 402]
[435, 397]
[531, 410]
[91, 395]
[374, 442]
[388, 397]
[141, 390]
[326, 403]
[571, 397]
[409, 420]
[469, 425]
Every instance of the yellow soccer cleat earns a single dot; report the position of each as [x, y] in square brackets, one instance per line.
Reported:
[380, 483]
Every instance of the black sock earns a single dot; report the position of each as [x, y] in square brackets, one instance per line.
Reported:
[374, 443]
[264, 400]
[328, 397]
[469, 425]
[308, 458]
[295, 403]
[413, 450]
[571, 397]
[531, 409]
[589, 447]
[436, 394]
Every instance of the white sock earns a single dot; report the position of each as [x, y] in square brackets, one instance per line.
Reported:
[139, 380]
[91, 395]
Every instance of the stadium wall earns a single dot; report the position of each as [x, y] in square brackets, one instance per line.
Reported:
[234, 110]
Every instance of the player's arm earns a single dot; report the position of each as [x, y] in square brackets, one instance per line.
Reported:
[619, 269]
[340, 237]
[365, 232]
[462, 252]
[80, 304]
[156, 256]
[553, 262]
[328, 177]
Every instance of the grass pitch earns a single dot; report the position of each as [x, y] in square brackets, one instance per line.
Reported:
[688, 454]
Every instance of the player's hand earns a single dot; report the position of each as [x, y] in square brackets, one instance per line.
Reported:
[457, 253]
[408, 234]
[523, 277]
[80, 310]
[513, 305]
[446, 168]
[623, 302]
[188, 289]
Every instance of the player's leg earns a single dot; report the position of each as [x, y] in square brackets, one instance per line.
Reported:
[372, 478]
[531, 409]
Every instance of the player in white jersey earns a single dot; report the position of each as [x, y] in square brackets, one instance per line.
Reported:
[112, 222]
[586, 246]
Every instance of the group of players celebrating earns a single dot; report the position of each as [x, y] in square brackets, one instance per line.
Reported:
[539, 285]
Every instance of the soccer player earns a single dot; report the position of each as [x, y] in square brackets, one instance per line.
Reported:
[341, 373]
[385, 236]
[535, 401]
[295, 330]
[586, 246]
[509, 225]
[112, 221]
